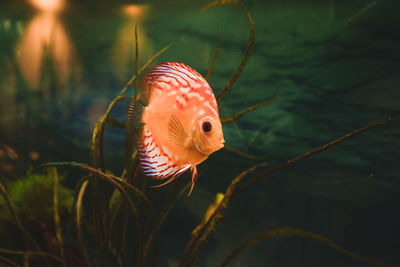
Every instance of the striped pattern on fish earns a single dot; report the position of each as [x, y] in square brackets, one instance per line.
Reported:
[171, 75]
[181, 124]
[157, 161]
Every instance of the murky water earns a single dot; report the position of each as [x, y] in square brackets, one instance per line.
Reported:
[334, 65]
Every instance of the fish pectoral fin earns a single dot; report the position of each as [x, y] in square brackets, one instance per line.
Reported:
[176, 133]
[194, 178]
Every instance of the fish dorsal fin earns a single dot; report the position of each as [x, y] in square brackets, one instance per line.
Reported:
[133, 122]
[176, 133]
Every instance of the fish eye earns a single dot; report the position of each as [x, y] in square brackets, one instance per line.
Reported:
[207, 126]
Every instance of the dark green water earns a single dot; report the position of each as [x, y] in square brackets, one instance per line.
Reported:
[334, 65]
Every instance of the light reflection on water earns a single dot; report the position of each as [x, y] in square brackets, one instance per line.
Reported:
[123, 54]
[42, 77]
[45, 36]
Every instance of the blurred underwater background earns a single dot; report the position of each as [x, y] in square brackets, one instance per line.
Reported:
[334, 66]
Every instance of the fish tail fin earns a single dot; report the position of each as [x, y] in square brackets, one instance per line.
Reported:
[194, 178]
[134, 124]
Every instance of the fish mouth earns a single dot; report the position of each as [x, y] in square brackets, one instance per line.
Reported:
[222, 142]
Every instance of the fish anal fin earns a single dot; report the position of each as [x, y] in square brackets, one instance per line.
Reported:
[176, 132]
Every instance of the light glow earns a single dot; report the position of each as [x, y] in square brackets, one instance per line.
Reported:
[48, 5]
[45, 36]
[123, 51]
[134, 11]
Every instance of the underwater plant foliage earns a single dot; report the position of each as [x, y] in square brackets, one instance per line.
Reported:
[28, 211]
[32, 197]
[118, 218]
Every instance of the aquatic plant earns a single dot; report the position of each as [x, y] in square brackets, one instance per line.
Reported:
[32, 210]
[119, 201]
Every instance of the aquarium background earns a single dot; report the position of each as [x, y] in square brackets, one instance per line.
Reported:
[335, 66]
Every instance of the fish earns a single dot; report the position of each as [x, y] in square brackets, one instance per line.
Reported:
[177, 122]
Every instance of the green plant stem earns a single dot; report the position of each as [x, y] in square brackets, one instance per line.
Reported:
[199, 238]
[108, 177]
[281, 232]
[241, 113]
[97, 154]
[35, 253]
[113, 122]
[246, 56]
[97, 136]
[211, 69]
[136, 62]
[115, 181]
[57, 223]
[4, 261]
[239, 152]
[164, 215]
[78, 200]
[314, 151]
[99, 127]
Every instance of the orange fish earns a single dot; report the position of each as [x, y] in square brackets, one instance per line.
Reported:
[179, 121]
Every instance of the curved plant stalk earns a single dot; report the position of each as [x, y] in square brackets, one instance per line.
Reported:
[205, 228]
[27, 256]
[211, 69]
[97, 154]
[97, 137]
[239, 152]
[164, 214]
[7, 262]
[123, 241]
[209, 211]
[360, 12]
[113, 122]
[78, 200]
[98, 211]
[133, 209]
[254, 136]
[314, 151]
[119, 234]
[246, 56]
[56, 213]
[116, 182]
[99, 127]
[155, 252]
[154, 57]
[136, 62]
[281, 232]
[31, 252]
[108, 177]
[241, 113]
